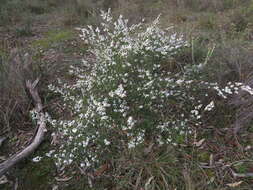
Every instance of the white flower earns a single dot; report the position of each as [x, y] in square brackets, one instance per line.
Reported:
[210, 106]
[120, 91]
[74, 130]
[228, 90]
[111, 94]
[247, 89]
[107, 142]
[130, 122]
[195, 112]
[180, 81]
[104, 117]
[50, 153]
[70, 161]
[37, 159]
[131, 144]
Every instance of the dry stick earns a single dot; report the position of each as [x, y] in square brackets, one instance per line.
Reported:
[9, 163]
[241, 174]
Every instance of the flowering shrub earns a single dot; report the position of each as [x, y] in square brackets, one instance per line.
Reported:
[126, 99]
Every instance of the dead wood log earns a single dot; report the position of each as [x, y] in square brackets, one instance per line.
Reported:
[40, 132]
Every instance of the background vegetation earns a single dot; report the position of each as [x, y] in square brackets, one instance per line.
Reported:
[38, 38]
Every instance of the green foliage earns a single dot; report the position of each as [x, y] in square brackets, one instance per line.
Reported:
[40, 174]
[37, 7]
[152, 170]
[25, 30]
[53, 38]
[207, 22]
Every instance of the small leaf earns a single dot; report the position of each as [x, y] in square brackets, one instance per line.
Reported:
[199, 143]
[63, 179]
[234, 184]
[148, 183]
[211, 180]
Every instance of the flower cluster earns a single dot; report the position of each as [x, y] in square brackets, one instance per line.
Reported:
[126, 98]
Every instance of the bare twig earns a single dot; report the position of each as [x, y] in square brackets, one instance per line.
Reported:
[241, 174]
[9, 163]
[63, 179]
[16, 184]
[138, 180]
[239, 161]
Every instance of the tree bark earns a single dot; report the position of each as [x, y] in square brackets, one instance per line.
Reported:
[40, 132]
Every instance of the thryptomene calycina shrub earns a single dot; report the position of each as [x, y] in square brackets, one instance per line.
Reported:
[125, 99]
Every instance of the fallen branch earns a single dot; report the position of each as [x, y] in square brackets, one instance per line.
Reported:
[40, 132]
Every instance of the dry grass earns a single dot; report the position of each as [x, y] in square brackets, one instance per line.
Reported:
[14, 102]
